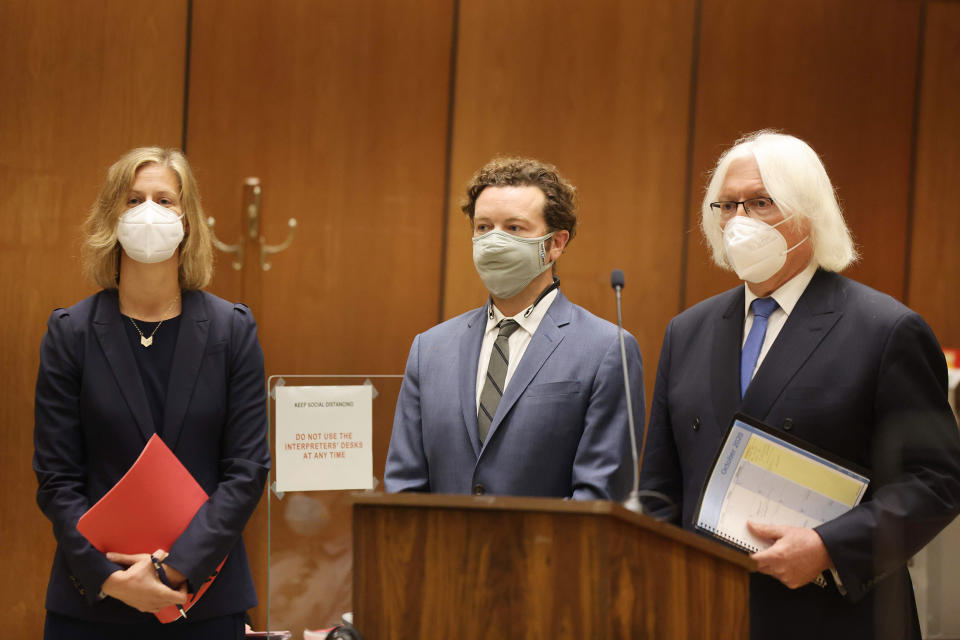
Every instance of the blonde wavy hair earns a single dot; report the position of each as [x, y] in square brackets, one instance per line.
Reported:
[101, 249]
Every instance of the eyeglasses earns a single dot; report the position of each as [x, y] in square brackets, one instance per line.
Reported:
[762, 208]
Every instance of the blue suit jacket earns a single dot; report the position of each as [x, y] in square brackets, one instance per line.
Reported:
[854, 372]
[93, 419]
[561, 427]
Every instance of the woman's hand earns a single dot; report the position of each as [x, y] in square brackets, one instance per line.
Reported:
[138, 584]
[177, 579]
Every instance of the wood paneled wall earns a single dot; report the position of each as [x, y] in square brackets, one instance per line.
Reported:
[934, 265]
[601, 90]
[82, 82]
[340, 109]
[359, 126]
[826, 72]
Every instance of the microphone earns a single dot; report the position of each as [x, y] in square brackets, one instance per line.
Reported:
[616, 281]
[633, 502]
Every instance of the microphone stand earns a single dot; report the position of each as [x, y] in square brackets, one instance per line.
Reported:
[633, 501]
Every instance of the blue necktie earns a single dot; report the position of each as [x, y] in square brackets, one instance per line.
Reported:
[762, 308]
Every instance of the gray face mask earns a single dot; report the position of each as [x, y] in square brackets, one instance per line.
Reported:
[507, 263]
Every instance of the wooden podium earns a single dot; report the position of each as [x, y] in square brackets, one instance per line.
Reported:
[472, 567]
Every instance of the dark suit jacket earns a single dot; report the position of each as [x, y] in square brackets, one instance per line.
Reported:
[93, 419]
[856, 373]
[560, 430]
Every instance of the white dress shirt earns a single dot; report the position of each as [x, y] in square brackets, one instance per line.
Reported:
[517, 342]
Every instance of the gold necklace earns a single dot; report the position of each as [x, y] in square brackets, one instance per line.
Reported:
[146, 341]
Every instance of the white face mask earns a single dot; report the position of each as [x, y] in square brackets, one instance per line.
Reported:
[756, 250]
[507, 263]
[149, 232]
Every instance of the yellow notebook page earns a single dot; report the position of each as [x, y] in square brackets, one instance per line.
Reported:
[801, 470]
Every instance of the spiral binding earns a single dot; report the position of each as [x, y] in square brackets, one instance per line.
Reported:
[737, 542]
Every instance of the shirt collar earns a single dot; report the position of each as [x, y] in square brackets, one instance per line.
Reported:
[531, 321]
[789, 292]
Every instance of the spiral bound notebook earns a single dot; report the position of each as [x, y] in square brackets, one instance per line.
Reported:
[768, 476]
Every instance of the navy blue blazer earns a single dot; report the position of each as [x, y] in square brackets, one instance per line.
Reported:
[92, 419]
[856, 373]
[560, 430]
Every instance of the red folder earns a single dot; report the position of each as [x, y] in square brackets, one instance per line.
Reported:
[148, 509]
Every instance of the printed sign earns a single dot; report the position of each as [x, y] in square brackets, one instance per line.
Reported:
[324, 438]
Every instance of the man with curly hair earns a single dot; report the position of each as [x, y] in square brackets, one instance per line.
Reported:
[524, 395]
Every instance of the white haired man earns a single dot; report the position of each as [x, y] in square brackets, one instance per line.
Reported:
[840, 365]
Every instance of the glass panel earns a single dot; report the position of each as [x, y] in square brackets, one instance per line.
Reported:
[309, 534]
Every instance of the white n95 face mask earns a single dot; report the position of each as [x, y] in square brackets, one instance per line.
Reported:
[150, 232]
[755, 250]
[507, 263]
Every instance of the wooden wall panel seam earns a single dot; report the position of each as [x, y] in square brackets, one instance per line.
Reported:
[185, 118]
[914, 150]
[448, 161]
[691, 142]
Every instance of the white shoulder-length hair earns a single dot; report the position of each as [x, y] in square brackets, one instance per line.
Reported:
[798, 183]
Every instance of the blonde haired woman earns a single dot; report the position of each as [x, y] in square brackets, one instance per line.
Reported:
[149, 353]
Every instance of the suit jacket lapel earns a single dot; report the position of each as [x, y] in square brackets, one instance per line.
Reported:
[812, 318]
[187, 358]
[112, 336]
[725, 360]
[469, 356]
[545, 340]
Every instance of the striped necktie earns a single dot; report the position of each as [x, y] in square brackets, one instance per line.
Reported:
[496, 375]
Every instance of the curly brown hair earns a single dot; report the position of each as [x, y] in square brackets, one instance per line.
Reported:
[560, 210]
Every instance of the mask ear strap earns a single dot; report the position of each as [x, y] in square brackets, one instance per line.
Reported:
[789, 217]
[543, 246]
[805, 238]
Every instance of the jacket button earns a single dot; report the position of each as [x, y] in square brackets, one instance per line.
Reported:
[696, 423]
[788, 424]
[77, 585]
[479, 489]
